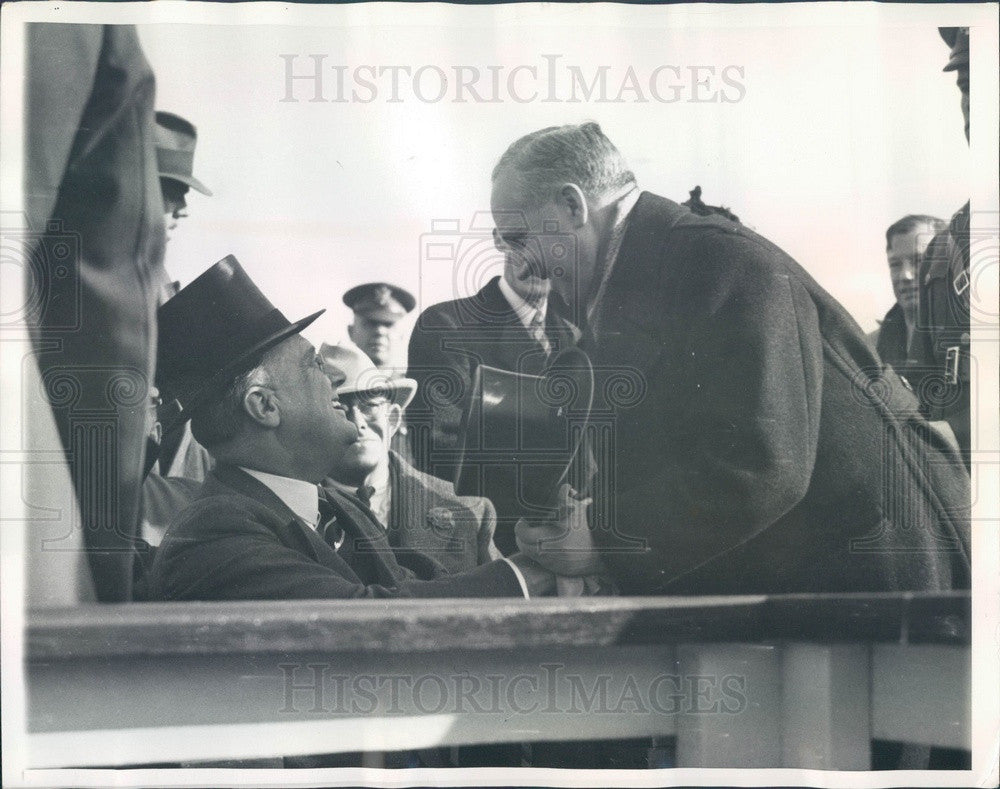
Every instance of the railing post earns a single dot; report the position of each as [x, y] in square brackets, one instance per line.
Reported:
[733, 713]
[825, 713]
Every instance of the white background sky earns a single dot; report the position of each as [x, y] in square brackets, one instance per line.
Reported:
[843, 128]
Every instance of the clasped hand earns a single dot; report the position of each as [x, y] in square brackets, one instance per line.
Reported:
[565, 545]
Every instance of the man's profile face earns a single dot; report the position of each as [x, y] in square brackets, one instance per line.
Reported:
[534, 239]
[314, 422]
[374, 337]
[173, 203]
[905, 252]
[373, 415]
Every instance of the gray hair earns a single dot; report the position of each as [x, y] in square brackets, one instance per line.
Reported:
[579, 154]
[222, 419]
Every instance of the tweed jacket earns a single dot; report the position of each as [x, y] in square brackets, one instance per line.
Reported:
[239, 541]
[764, 447]
[426, 515]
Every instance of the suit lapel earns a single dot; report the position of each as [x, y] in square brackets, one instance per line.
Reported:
[288, 526]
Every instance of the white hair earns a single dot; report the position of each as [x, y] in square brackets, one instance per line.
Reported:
[579, 154]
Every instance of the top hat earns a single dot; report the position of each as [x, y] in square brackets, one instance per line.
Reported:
[219, 325]
[175, 142]
[520, 434]
[362, 376]
[380, 301]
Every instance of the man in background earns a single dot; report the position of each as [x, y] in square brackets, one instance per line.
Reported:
[378, 308]
[906, 242]
[508, 324]
[418, 511]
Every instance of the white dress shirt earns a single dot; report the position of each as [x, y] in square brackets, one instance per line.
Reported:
[299, 496]
[525, 312]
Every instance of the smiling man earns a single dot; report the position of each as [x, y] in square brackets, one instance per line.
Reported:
[418, 511]
[261, 527]
[763, 449]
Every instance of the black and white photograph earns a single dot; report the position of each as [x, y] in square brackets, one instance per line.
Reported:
[500, 394]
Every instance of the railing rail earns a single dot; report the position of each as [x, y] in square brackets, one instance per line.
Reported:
[796, 680]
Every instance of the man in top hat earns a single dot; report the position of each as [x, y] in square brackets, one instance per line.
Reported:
[764, 449]
[419, 512]
[940, 343]
[261, 527]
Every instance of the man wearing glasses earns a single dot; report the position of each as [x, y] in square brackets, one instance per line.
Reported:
[419, 512]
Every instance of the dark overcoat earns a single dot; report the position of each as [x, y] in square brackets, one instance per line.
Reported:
[239, 541]
[761, 446]
[448, 342]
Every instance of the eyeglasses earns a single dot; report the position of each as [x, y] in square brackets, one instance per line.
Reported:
[369, 407]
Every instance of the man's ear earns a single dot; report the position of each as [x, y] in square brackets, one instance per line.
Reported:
[573, 202]
[350, 333]
[261, 406]
[394, 418]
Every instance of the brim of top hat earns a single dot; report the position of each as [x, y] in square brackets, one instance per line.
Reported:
[192, 399]
[403, 390]
[188, 180]
[480, 413]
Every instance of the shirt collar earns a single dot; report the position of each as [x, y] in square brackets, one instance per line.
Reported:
[382, 497]
[299, 496]
[525, 312]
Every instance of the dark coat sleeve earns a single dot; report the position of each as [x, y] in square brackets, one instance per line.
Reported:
[739, 376]
[225, 549]
[93, 198]
[444, 378]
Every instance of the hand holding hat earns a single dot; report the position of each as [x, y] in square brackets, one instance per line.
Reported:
[565, 546]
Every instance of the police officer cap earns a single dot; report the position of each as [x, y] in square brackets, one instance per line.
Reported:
[958, 39]
[380, 301]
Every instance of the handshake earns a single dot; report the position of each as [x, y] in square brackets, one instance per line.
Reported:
[562, 547]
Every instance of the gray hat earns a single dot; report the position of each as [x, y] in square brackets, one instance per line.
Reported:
[175, 143]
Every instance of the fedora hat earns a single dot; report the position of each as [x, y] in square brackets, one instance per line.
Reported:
[219, 325]
[175, 143]
[362, 376]
[520, 434]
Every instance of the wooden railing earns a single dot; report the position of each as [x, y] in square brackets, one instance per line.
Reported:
[789, 681]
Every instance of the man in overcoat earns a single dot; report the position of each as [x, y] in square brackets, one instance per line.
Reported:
[763, 448]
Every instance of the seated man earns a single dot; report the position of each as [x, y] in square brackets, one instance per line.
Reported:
[419, 512]
[261, 528]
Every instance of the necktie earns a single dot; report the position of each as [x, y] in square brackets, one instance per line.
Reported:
[365, 493]
[328, 528]
[538, 331]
